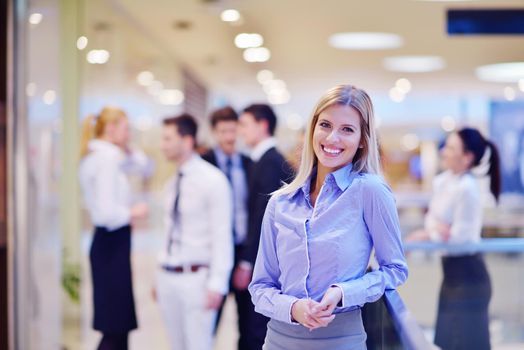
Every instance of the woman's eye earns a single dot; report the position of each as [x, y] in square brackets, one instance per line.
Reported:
[347, 129]
[324, 125]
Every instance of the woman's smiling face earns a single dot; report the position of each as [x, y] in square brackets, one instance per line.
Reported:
[337, 137]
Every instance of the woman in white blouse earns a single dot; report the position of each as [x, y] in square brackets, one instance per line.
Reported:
[455, 216]
[107, 196]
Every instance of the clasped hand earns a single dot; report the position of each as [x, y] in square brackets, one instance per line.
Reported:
[312, 314]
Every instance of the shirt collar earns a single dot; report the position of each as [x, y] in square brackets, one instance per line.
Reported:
[262, 147]
[105, 146]
[189, 164]
[341, 177]
[222, 157]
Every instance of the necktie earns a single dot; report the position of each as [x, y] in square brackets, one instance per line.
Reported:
[175, 212]
[229, 166]
[176, 204]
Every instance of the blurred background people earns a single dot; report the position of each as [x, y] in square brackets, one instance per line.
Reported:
[454, 217]
[196, 261]
[224, 124]
[107, 196]
[257, 127]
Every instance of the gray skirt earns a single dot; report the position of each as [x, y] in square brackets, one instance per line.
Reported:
[345, 332]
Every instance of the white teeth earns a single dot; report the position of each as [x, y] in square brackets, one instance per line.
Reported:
[332, 151]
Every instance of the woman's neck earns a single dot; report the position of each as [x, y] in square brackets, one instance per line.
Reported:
[320, 178]
[316, 183]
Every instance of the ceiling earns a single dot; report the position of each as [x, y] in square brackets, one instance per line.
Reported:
[297, 31]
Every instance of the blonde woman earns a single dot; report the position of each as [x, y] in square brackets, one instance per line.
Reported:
[107, 196]
[319, 230]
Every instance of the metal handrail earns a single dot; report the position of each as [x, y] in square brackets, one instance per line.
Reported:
[409, 331]
[497, 245]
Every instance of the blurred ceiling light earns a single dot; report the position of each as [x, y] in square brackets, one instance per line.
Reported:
[264, 76]
[171, 97]
[294, 122]
[403, 85]
[414, 64]
[245, 40]
[410, 142]
[30, 89]
[279, 98]
[81, 43]
[35, 18]
[396, 95]
[365, 41]
[274, 85]
[257, 54]
[521, 84]
[155, 88]
[145, 78]
[98, 56]
[230, 15]
[448, 123]
[510, 93]
[510, 72]
[49, 97]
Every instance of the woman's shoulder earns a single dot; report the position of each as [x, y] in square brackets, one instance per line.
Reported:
[373, 182]
[468, 184]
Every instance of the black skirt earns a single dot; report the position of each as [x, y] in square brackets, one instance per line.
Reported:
[114, 306]
[463, 320]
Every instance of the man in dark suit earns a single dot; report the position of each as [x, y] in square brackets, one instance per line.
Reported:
[235, 166]
[257, 127]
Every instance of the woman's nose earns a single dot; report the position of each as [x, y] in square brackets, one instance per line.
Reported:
[333, 136]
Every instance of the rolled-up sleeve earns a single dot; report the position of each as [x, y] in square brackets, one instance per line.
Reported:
[265, 289]
[381, 219]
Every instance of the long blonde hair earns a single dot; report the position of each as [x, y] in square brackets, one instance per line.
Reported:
[94, 126]
[366, 159]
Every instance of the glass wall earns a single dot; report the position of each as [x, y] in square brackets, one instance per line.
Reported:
[75, 57]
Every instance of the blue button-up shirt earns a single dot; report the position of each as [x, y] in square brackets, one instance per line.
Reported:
[304, 249]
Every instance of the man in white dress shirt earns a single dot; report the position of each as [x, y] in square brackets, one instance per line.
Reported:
[197, 258]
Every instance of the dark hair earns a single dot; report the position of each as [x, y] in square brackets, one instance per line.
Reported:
[263, 112]
[225, 114]
[185, 124]
[476, 144]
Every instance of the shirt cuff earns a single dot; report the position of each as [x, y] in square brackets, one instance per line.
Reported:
[353, 293]
[217, 284]
[284, 312]
[434, 236]
[341, 302]
[246, 265]
[290, 315]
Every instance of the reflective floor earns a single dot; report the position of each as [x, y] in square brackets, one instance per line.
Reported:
[420, 295]
[151, 333]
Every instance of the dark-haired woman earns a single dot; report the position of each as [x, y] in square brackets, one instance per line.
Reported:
[455, 216]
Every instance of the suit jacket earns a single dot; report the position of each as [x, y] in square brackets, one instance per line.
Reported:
[212, 158]
[267, 175]
[247, 163]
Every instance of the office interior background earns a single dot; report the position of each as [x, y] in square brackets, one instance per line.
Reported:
[427, 72]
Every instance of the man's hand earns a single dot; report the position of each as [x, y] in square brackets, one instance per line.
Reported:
[242, 277]
[213, 300]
